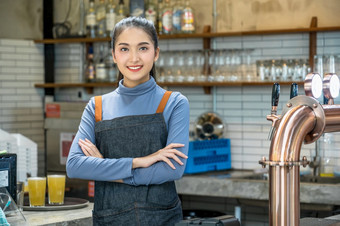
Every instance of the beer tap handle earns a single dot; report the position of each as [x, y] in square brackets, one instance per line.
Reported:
[275, 97]
[294, 88]
[275, 101]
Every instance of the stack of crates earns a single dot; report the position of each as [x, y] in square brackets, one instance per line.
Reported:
[27, 150]
[8, 142]
[208, 155]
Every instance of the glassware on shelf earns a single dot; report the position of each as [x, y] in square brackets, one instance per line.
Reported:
[177, 17]
[101, 18]
[91, 23]
[101, 72]
[111, 69]
[188, 19]
[150, 12]
[121, 12]
[282, 70]
[110, 17]
[167, 18]
[90, 71]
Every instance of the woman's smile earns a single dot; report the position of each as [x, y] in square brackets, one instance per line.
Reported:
[135, 68]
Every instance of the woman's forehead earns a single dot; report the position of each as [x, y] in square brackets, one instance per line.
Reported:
[133, 35]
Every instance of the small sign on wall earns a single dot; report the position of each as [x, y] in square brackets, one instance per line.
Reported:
[65, 145]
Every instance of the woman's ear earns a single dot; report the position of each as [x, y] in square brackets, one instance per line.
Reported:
[113, 56]
[156, 54]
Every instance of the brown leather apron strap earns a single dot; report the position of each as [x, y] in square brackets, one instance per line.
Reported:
[163, 102]
[98, 108]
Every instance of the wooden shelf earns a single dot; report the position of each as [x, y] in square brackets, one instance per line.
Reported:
[206, 85]
[198, 35]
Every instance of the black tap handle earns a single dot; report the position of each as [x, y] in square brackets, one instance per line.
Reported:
[275, 94]
[325, 100]
[294, 88]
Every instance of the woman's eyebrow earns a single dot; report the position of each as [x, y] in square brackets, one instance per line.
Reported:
[141, 43]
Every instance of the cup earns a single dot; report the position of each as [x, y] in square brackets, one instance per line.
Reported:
[56, 189]
[20, 194]
[36, 191]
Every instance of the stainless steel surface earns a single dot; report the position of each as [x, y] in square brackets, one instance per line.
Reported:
[209, 126]
[303, 119]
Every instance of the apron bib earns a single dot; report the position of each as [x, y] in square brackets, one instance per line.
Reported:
[130, 137]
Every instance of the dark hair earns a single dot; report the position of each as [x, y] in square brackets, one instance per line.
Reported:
[135, 22]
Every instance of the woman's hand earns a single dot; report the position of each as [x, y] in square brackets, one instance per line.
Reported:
[89, 149]
[165, 154]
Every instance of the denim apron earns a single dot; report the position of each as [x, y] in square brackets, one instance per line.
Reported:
[122, 204]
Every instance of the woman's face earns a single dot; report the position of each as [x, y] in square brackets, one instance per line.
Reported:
[134, 54]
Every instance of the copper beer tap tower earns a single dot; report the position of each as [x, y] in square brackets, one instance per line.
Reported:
[303, 119]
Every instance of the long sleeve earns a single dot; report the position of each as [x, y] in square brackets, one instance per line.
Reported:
[83, 167]
[178, 132]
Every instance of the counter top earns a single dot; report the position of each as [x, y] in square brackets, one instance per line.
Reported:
[81, 216]
[236, 185]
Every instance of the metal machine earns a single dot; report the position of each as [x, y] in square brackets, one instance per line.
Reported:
[303, 119]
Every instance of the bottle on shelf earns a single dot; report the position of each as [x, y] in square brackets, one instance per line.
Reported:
[110, 17]
[137, 8]
[177, 17]
[150, 12]
[101, 18]
[90, 71]
[110, 66]
[121, 11]
[91, 23]
[188, 19]
[167, 18]
[159, 26]
[101, 73]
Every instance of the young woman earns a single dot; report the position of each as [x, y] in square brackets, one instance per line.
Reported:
[133, 141]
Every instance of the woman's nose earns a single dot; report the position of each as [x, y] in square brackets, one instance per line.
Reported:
[134, 56]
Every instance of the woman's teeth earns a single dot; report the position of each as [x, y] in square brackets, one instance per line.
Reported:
[135, 68]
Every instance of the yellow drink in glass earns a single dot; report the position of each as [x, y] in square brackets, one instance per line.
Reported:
[56, 189]
[37, 191]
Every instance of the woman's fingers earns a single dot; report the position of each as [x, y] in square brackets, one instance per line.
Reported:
[166, 160]
[174, 145]
[89, 149]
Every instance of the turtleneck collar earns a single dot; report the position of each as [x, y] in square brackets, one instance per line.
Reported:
[138, 90]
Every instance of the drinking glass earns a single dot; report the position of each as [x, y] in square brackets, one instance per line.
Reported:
[36, 191]
[56, 189]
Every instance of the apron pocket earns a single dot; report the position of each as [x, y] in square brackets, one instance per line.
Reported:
[154, 216]
[114, 217]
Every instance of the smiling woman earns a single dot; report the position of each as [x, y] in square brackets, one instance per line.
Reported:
[133, 141]
[134, 53]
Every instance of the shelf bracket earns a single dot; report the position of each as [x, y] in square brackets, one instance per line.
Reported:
[312, 42]
[206, 46]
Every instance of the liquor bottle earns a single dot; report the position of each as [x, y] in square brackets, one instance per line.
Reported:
[111, 69]
[101, 73]
[188, 19]
[91, 23]
[137, 8]
[150, 12]
[101, 18]
[167, 18]
[159, 26]
[90, 71]
[177, 17]
[121, 11]
[110, 17]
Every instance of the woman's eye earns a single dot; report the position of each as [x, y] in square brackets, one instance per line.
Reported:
[143, 48]
[124, 49]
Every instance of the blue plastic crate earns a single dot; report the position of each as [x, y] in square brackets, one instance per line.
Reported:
[208, 155]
